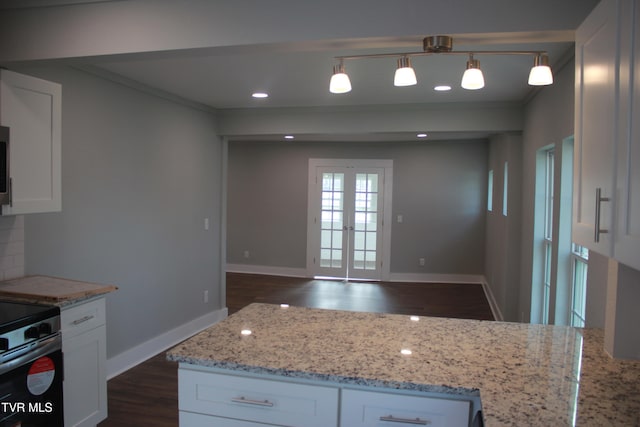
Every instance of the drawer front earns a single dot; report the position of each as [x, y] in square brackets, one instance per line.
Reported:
[189, 419]
[79, 318]
[376, 409]
[257, 400]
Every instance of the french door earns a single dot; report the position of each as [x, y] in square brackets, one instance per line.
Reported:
[347, 208]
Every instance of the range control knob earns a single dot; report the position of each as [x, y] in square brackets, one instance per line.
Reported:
[32, 332]
[4, 344]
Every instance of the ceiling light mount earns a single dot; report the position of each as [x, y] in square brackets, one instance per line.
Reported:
[437, 44]
[540, 74]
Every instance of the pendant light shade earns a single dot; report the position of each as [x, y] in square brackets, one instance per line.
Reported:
[405, 75]
[540, 74]
[340, 82]
[472, 79]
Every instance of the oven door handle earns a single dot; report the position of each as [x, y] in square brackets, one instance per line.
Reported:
[34, 352]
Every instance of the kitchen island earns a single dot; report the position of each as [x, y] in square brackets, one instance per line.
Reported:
[522, 374]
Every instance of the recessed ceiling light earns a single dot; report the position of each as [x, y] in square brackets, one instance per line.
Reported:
[442, 88]
[289, 137]
[260, 95]
[421, 135]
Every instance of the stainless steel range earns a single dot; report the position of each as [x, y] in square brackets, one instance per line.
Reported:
[30, 365]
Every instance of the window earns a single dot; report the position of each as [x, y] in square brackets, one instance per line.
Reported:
[490, 191]
[505, 189]
[548, 233]
[579, 260]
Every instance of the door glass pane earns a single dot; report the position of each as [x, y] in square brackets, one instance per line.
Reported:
[332, 220]
[365, 221]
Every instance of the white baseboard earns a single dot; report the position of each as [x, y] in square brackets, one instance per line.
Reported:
[436, 278]
[267, 270]
[495, 309]
[138, 354]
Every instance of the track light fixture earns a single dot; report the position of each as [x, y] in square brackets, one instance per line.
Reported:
[472, 78]
[340, 82]
[405, 75]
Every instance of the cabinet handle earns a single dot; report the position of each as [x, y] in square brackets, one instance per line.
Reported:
[246, 401]
[415, 421]
[597, 229]
[82, 320]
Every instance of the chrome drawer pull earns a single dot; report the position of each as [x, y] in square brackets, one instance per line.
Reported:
[415, 421]
[246, 401]
[82, 320]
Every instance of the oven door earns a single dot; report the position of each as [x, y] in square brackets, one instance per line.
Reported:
[31, 387]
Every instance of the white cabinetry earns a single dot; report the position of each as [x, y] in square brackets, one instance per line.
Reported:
[597, 53]
[256, 400]
[606, 208]
[31, 108]
[627, 231]
[213, 397]
[371, 408]
[84, 351]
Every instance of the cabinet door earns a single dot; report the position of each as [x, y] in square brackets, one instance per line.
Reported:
[31, 108]
[597, 54]
[627, 232]
[84, 350]
[85, 385]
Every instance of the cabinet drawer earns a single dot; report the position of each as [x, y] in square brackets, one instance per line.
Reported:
[366, 408]
[189, 419]
[82, 317]
[257, 400]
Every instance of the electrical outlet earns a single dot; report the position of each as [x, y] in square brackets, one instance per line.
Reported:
[421, 261]
[206, 223]
[205, 296]
[246, 254]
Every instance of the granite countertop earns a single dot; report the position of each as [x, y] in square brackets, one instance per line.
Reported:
[51, 290]
[524, 374]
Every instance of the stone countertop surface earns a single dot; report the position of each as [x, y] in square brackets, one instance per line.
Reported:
[525, 374]
[51, 290]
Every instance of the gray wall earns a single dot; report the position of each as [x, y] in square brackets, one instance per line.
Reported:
[139, 176]
[503, 238]
[438, 187]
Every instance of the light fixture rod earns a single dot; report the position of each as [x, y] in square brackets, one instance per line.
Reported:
[457, 52]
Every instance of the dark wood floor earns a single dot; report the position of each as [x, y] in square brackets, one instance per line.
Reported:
[148, 394]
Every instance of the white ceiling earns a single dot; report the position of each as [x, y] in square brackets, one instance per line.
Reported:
[296, 73]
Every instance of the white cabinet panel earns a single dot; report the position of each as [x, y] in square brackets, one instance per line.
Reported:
[597, 53]
[627, 231]
[84, 341]
[375, 409]
[31, 108]
[257, 400]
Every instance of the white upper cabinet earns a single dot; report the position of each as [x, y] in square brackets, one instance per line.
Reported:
[595, 129]
[606, 200]
[31, 108]
[627, 231]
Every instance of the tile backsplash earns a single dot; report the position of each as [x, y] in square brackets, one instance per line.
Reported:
[11, 247]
